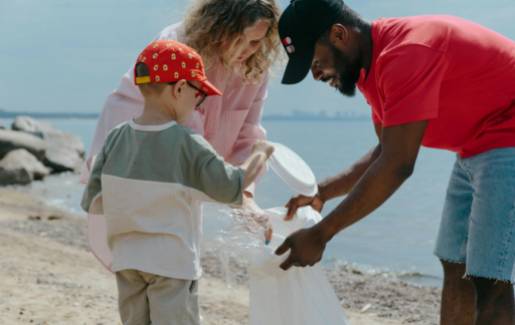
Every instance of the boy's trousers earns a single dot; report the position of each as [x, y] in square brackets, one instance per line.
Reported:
[145, 298]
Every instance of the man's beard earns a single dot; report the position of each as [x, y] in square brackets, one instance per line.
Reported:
[348, 72]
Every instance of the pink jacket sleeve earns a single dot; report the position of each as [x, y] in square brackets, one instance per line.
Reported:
[251, 131]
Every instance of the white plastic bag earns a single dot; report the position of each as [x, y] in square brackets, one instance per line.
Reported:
[97, 236]
[298, 296]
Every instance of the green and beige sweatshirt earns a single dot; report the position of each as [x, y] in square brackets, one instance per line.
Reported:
[153, 180]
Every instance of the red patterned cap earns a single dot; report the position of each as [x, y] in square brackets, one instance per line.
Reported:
[170, 61]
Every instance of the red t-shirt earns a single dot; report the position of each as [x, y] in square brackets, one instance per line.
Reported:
[456, 74]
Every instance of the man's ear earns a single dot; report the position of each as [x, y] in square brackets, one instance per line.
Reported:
[339, 35]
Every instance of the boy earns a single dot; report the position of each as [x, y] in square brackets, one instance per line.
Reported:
[149, 181]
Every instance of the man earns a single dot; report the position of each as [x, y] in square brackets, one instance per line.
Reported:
[438, 81]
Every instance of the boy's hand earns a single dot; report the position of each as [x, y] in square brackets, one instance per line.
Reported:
[261, 151]
[263, 146]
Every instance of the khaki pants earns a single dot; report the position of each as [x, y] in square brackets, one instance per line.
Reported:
[145, 298]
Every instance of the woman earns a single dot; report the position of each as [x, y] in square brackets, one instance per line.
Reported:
[238, 41]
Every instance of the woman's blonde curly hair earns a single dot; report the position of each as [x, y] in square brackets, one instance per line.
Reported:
[211, 23]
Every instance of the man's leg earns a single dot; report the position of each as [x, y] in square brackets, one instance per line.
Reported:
[458, 296]
[491, 241]
[495, 302]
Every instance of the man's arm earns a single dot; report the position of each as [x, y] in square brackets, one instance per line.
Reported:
[396, 162]
[399, 149]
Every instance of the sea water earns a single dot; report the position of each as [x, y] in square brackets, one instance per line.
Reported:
[398, 237]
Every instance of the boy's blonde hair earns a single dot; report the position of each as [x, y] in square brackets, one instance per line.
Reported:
[210, 23]
[150, 89]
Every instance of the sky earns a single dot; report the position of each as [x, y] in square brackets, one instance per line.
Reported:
[68, 55]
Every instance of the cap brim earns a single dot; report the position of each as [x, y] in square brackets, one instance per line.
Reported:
[298, 67]
[209, 88]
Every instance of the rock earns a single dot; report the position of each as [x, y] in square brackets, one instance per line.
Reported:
[14, 175]
[365, 308]
[65, 152]
[20, 167]
[12, 140]
[69, 140]
[62, 159]
[23, 159]
[29, 125]
[18, 176]
[47, 132]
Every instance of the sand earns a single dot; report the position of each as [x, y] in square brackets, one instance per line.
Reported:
[47, 276]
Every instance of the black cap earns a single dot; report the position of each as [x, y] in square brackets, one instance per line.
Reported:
[300, 26]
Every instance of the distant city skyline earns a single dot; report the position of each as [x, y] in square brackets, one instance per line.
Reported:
[293, 115]
[67, 56]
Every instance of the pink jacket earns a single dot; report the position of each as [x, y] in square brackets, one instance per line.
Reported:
[231, 123]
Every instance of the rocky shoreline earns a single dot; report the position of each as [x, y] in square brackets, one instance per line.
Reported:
[31, 150]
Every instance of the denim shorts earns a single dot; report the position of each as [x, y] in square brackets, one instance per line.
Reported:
[478, 221]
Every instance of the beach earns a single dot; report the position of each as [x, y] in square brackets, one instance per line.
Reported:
[434, 111]
[48, 276]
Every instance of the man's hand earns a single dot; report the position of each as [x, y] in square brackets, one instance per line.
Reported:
[316, 203]
[306, 248]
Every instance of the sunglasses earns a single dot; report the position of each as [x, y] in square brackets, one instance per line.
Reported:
[200, 93]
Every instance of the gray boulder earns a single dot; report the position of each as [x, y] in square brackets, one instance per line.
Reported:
[65, 152]
[45, 130]
[29, 125]
[12, 140]
[62, 159]
[20, 160]
[17, 176]
[65, 140]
